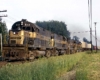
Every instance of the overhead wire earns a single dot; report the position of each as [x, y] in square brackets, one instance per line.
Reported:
[94, 37]
[12, 18]
[8, 20]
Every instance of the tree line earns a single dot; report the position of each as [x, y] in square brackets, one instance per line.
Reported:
[4, 31]
[57, 27]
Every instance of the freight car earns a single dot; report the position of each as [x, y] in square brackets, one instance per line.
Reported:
[98, 47]
[28, 41]
[85, 46]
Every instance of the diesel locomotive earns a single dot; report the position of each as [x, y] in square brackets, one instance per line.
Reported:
[28, 41]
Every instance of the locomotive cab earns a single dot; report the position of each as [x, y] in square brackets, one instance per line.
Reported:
[23, 32]
[16, 37]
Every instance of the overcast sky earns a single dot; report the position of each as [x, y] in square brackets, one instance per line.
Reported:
[73, 12]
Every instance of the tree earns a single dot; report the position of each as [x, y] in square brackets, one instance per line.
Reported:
[57, 27]
[4, 31]
[85, 40]
[76, 39]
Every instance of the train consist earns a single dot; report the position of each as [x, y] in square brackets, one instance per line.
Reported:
[28, 41]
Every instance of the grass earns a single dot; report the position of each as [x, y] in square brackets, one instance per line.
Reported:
[42, 69]
[89, 67]
[86, 65]
[81, 75]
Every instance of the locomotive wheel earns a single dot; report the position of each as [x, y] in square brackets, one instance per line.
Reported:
[66, 51]
[56, 53]
[31, 56]
[48, 54]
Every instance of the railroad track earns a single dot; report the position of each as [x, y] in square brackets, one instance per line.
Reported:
[3, 63]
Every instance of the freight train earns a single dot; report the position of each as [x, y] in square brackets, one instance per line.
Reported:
[28, 41]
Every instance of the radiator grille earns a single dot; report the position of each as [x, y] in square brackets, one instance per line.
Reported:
[13, 41]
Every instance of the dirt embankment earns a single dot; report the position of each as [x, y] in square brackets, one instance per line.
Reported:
[2, 63]
[68, 75]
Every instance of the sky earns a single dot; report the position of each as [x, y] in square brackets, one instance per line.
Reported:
[73, 12]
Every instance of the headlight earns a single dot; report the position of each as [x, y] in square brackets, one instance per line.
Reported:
[14, 32]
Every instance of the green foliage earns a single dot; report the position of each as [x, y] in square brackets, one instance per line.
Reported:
[42, 69]
[89, 67]
[4, 31]
[86, 40]
[76, 38]
[0, 56]
[81, 75]
[0, 52]
[57, 27]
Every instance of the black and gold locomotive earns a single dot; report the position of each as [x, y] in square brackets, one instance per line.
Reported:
[27, 41]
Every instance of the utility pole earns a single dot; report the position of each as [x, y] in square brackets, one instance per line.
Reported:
[90, 20]
[1, 25]
[95, 35]
[1, 41]
[91, 23]
[3, 15]
[3, 11]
